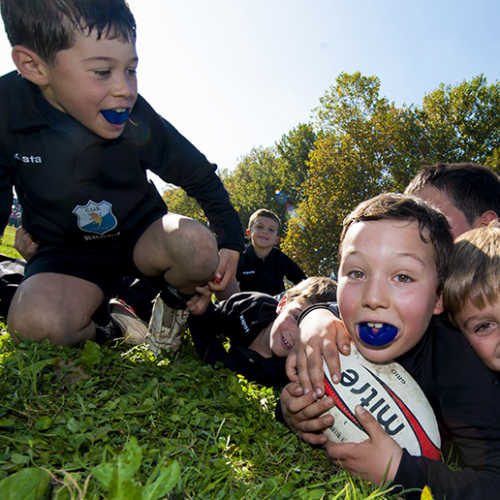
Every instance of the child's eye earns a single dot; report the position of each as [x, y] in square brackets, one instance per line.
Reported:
[132, 71]
[403, 278]
[484, 328]
[102, 72]
[356, 275]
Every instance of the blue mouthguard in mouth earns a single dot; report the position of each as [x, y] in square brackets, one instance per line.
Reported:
[115, 117]
[385, 335]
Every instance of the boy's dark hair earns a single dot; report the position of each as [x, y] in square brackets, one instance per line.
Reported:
[432, 224]
[474, 270]
[313, 291]
[473, 189]
[263, 212]
[48, 26]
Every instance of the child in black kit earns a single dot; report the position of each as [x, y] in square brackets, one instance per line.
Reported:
[260, 329]
[393, 260]
[262, 267]
[76, 140]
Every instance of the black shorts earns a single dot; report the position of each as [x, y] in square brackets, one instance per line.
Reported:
[105, 267]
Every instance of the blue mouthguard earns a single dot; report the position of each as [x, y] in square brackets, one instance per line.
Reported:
[384, 336]
[115, 117]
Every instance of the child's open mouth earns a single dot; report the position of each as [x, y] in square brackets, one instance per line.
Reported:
[377, 334]
[116, 116]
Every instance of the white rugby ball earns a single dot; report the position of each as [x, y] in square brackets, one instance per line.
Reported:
[391, 395]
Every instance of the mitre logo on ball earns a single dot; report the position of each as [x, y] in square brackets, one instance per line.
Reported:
[391, 395]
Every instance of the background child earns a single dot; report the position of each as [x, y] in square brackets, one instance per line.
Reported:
[467, 193]
[261, 331]
[399, 286]
[471, 293]
[76, 140]
[262, 267]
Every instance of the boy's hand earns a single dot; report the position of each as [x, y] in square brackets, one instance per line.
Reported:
[200, 301]
[301, 412]
[226, 270]
[23, 243]
[320, 333]
[376, 459]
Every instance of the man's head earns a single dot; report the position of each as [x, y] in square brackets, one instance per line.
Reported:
[467, 193]
[471, 294]
[264, 229]
[308, 292]
[81, 54]
[393, 259]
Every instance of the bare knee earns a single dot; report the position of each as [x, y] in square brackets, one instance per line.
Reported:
[55, 307]
[52, 325]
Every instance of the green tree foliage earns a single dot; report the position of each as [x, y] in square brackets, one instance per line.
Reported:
[366, 146]
[272, 177]
[462, 122]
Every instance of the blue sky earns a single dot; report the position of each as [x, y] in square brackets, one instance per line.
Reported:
[234, 74]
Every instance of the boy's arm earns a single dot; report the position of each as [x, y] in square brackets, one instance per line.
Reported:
[291, 270]
[321, 333]
[175, 160]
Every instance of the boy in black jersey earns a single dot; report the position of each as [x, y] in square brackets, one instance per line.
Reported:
[76, 141]
[262, 267]
[393, 260]
[261, 330]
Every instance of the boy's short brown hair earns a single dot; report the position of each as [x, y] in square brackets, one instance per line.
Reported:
[433, 225]
[474, 270]
[263, 212]
[313, 291]
[48, 26]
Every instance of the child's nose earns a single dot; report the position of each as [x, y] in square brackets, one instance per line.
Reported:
[123, 87]
[375, 294]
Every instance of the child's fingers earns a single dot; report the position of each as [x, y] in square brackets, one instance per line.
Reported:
[291, 367]
[313, 438]
[302, 369]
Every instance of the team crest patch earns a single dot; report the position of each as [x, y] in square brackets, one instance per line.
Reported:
[95, 217]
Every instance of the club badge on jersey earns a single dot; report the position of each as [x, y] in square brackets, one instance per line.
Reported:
[96, 218]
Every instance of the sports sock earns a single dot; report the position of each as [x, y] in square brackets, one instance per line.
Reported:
[173, 298]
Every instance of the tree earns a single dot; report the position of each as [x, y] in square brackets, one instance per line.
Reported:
[462, 122]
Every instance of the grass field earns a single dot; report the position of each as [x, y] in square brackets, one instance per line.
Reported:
[115, 423]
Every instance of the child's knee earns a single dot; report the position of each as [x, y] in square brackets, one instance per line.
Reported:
[60, 329]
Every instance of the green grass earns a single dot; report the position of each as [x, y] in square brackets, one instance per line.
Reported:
[7, 242]
[115, 423]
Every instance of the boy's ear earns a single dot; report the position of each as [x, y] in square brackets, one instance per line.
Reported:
[281, 305]
[439, 305]
[249, 233]
[277, 240]
[488, 217]
[30, 65]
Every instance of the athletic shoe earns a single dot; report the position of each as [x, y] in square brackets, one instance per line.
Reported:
[132, 328]
[166, 327]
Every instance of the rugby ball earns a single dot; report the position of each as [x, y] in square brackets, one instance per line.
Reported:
[391, 395]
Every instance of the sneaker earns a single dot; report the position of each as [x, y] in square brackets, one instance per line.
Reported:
[166, 327]
[132, 328]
